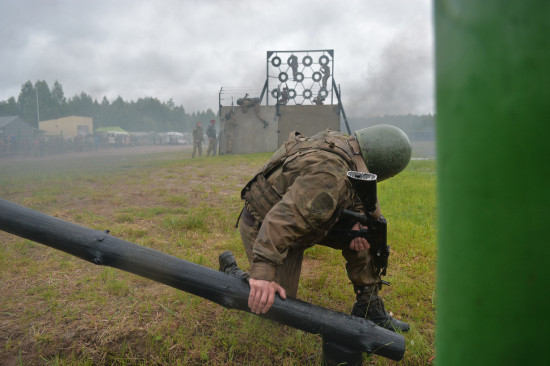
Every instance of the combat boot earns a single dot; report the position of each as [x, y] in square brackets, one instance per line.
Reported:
[228, 265]
[370, 306]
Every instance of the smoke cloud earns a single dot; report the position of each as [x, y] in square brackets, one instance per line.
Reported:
[187, 50]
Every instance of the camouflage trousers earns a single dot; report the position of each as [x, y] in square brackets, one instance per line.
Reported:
[359, 265]
[211, 146]
[197, 146]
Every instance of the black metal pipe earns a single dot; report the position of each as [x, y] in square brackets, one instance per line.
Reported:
[100, 248]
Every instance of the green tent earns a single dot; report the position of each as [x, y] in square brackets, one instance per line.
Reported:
[110, 129]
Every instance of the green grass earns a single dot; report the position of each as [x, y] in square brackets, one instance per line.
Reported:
[59, 310]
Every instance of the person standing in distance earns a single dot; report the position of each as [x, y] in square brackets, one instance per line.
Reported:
[198, 138]
[211, 134]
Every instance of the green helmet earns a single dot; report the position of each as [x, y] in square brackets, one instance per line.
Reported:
[385, 148]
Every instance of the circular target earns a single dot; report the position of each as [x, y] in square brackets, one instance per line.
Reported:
[283, 76]
[307, 60]
[276, 61]
[291, 93]
[307, 94]
[299, 77]
[323, 60]
[275, 93]
[323, 93]
[316, 76]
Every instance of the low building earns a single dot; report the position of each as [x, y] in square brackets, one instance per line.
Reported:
[16, 126]
[70, 126]
[16, 136]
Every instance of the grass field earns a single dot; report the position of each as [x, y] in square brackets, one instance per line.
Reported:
[56, 309]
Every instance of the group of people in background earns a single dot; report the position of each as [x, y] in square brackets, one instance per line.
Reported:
[49, 145]
[198, 139]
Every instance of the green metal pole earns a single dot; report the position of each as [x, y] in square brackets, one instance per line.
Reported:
[493, 138]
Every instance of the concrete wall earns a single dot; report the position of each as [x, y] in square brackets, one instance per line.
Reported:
[249, 135]
[307, 119]
[248, 132]
[68, 126]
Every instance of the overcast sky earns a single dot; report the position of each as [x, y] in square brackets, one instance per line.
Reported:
[188, 49]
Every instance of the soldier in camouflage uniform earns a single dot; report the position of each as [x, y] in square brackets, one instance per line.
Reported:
[325, 70]
[247, 102]
[229, 131]
[297, 198]
[198, 138]
[211, 133]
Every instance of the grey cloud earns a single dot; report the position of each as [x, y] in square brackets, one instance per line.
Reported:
[187, 50]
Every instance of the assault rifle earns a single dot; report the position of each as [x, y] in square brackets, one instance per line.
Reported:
[376, 231]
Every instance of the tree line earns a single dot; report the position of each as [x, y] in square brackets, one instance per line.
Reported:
[417, 127]
[40, 102]
[150, 114]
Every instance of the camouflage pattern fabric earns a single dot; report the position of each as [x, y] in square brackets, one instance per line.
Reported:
[313, 190]
[198, 138]
[211, 133]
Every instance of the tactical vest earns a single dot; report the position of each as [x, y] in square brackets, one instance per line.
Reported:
[261, 196]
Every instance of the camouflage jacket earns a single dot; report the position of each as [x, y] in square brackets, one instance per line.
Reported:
[298, 196]
[198, 134]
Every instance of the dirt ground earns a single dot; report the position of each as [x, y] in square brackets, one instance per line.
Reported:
[131, 150]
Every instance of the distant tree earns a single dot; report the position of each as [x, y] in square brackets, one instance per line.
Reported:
[203, 117]
[102, 114]
[170, 104]
[81, 105]
[419, 128]
[27, 104]
[58, 100]
[181, 119]
[47, 107]
[9, 107]
[119, 113]
[146, 114]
